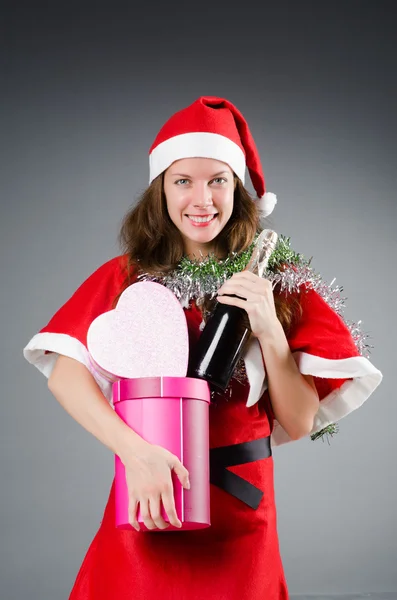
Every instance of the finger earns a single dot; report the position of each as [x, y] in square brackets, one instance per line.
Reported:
[256, 283]
[132, 513]
[246, 283]
[247, 276]
[250, 280]
[155, 512]
[234, 290]
[145, 514]
[243, 292]
[242, 286]
[168, 500]
[182, 473]
[244, 304]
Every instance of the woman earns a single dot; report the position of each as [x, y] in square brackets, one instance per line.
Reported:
[197, 209]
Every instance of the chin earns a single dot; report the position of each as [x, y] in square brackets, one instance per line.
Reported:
[204, 239]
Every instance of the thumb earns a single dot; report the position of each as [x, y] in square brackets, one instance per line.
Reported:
[181, 473]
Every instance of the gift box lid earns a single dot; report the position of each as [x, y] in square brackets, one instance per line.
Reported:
[161, 387]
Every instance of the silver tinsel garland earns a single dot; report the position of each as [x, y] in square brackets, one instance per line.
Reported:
[187, 288]
[293, 278]
[290, 278]
[289, 271]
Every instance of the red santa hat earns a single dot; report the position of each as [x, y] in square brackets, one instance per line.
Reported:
[211, 127]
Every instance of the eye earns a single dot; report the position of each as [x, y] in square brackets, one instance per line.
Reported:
[181, 181]
[219, 180]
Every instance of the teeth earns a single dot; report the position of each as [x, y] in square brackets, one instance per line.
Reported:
[201, 219]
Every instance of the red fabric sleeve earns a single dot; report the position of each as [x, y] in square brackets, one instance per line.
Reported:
[321, 332]
[95, 296]
[323, 347]
[66, 332]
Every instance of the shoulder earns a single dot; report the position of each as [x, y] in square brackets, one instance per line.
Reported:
[295, 274]
[114, 266]
[118, 268]
[108, 280]
[285, 257]
[321, 304]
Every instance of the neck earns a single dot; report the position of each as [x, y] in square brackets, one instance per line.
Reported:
[199, 253]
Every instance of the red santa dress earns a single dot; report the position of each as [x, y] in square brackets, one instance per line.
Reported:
[238, 557]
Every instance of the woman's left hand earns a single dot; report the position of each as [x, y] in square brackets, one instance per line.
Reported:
[255, 297]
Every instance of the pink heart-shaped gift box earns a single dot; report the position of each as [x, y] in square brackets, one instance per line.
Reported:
[146, 335]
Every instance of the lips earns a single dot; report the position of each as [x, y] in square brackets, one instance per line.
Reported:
[201, 220]
[205, 217]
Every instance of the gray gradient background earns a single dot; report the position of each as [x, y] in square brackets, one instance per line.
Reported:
[83, 94]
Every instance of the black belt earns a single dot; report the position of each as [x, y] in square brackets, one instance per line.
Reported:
[238, 454]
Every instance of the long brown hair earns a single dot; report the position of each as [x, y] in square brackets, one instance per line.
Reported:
[154, 244]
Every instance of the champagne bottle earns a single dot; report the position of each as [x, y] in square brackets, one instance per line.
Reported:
[224, 336]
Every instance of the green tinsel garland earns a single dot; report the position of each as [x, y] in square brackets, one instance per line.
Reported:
[205, 275]
[212, 266]
[223, 269]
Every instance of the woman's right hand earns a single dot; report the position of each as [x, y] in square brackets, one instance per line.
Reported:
[148, 473]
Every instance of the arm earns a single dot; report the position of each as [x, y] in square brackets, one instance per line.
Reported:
[293, 396]
[78, 393]
[148, 467]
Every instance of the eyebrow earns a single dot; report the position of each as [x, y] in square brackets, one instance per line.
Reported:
[188, 176]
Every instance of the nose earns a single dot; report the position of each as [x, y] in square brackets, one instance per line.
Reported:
[202, 197]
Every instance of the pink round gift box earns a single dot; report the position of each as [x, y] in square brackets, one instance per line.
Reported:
[171, 412]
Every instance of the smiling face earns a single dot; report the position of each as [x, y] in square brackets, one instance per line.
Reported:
[199, 194]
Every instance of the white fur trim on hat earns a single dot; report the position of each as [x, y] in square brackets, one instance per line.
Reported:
[266, 204]
[200, 145]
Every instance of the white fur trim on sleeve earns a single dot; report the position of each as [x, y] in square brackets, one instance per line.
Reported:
[364, 378]
[60, 343]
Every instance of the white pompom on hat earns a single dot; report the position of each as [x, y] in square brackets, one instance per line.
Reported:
[211, 127]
